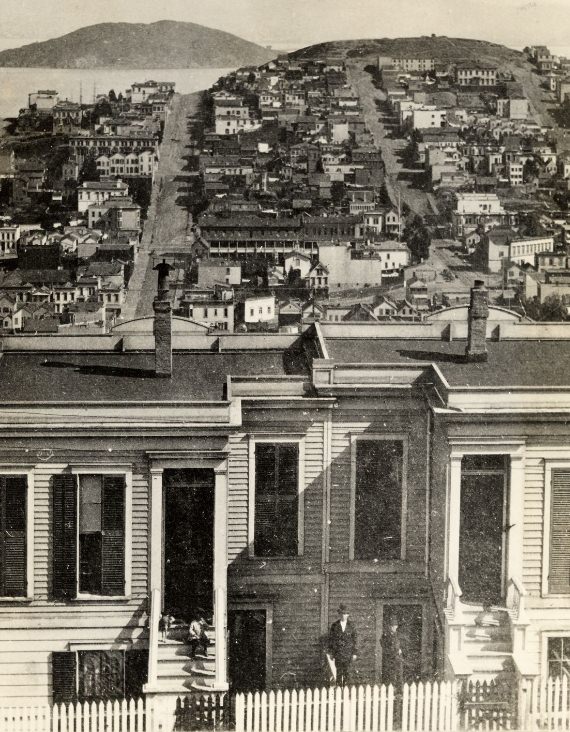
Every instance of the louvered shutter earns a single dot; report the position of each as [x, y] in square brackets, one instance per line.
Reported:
[276, 485]
[559, 575]
[136, 672]
[13, 536]
[113, 542]
[64, 537]
[64, 671]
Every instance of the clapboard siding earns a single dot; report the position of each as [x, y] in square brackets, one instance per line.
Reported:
[238, 495]
[312, 491]
[533, 519]
[140, 536]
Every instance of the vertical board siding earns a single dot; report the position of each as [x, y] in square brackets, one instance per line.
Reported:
[342, 433]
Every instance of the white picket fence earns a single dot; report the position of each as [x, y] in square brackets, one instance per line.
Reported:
[545, 705]
[111, 716]
[426, 707]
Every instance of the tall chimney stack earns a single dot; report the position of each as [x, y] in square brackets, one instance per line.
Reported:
[163, 323]
[478, 313]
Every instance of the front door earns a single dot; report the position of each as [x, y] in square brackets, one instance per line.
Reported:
[188, 541]
[247, 649]
[482, 529]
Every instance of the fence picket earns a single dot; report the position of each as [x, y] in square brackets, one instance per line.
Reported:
[315, 710]
[390, 709]
[286, 711]
[294, 711]
[367, 708]
[353, 707]
[302, 709]
[327, 710]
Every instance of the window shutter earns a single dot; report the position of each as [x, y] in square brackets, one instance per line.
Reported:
[13, 536]
[276, 501]
[559, 575]
[64, 537]
[136, 672]
[113, 548]
[64, 671]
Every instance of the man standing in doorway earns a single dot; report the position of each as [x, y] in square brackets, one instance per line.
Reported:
[342, 645]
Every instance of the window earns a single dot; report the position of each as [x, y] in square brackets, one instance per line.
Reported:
[276, 513]
[558, 657]
[98, 675]
[13, 535]
[89, 535]
[559, 569]
[379, 466]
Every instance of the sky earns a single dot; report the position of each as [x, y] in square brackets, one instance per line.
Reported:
[290, 24]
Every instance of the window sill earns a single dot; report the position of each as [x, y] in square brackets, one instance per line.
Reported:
[389, 566]
[15, 600]
[100, 598]
[280, 558]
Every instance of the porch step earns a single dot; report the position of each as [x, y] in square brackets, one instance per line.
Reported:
[177, 671]
[198, 666]
[491, 663]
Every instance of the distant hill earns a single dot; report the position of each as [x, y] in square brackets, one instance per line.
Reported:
[440, 47]
[163, 45]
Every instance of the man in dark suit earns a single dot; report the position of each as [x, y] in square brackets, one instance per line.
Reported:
[342, 645]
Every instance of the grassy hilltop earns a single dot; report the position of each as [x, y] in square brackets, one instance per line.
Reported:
[163, 45]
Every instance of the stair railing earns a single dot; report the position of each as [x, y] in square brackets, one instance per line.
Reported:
[516, 594]
[154, 620]
[453, 599]
[518, 619]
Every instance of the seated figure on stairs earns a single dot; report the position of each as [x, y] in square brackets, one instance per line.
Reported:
[197, 635]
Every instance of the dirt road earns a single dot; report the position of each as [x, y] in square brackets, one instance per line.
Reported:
[168, 218]
[398, 178]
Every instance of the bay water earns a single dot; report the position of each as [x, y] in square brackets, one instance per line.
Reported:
[85, 84]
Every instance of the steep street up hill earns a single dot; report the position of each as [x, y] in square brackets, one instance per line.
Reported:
[162, 45]
[438, 47]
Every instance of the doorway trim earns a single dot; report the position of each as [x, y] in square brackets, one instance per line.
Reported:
[379, 629]
[515, 450]
[216, 460]
[237, 605]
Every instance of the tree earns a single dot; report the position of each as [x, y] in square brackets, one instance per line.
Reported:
[551, 309]
[417, 238]
[89, 170]
[530, 170]
[112, 96]
[337, 192]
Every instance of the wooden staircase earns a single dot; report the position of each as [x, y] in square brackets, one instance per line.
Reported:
[487, 646]
[177, 671]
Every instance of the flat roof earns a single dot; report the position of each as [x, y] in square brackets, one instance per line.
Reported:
[510, 363]
[100, 377]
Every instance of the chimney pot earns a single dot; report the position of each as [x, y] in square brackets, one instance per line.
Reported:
[163, 323]
[478, 314]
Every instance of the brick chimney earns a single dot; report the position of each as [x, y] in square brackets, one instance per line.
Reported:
[163, 323]
[478, 313]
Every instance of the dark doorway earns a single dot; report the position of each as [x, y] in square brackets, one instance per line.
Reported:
[483, 518]
[188, 541]
[247, 649]
[408, 622]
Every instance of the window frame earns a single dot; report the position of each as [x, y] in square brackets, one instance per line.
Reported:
[545, 636]
[549, 467]
[11, 470]
[126, 473]
[375, 437]
[299, 440]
